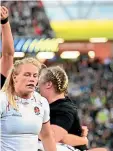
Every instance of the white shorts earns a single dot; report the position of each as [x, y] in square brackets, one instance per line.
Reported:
[60, 147]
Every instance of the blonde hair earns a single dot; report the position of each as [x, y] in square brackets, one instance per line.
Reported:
[57, 76]
[9, 84]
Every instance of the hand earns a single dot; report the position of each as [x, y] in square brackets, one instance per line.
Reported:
[84, 131]
[86, 140]
[4, 13]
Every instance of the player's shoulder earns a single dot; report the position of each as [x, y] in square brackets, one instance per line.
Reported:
[2, 94]
[3, 98]
[41, 98]
[68, 106]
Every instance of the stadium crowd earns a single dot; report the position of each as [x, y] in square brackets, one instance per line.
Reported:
[28, 18]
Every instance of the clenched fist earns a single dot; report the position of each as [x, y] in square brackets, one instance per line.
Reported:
[4, 13]
[84, 131]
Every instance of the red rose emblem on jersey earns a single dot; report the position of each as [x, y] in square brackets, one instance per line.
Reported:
[36, 110]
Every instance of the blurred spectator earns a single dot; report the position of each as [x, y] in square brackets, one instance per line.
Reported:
[29, 18]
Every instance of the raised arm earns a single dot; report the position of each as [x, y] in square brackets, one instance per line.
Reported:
[7, 43]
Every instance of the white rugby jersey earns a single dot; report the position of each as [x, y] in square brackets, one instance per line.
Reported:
[20, 129]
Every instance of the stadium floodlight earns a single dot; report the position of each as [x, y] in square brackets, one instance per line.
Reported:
[70, 54]
[19, 54]
[98, 40]
[45, 55]
[91, 54]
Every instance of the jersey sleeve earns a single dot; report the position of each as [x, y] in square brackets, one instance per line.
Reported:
[2, 80]
[45, 104]
[63, 118]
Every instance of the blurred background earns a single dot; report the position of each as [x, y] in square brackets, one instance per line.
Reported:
[78, 35]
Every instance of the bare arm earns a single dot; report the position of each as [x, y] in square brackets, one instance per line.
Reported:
[48, 138]
[59, 132]
[7, 44]
[74, 140]
[61, 135]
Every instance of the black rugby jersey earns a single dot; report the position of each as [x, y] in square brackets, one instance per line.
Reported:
[63, 113]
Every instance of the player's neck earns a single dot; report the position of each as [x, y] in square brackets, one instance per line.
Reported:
[55, 97]
[24, 95]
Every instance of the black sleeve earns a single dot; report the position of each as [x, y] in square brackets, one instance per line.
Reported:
[2, 80]
[63, 119]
